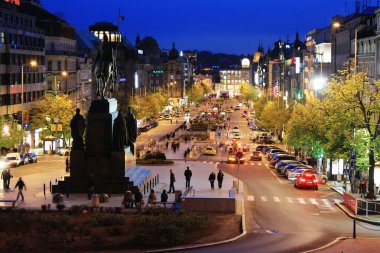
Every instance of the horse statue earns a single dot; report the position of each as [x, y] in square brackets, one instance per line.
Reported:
[104, 68]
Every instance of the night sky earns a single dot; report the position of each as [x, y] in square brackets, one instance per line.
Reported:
[233, 26]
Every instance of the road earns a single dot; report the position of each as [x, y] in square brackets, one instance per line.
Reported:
[279, 217]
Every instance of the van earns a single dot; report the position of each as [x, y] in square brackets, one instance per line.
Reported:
[14, 159]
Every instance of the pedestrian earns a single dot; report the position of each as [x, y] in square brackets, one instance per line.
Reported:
[363, 188]
[185, 155]
[211, 178]
[171, 121]
[138, 198]
[152, 199]
[90, 186]
[8, 178]
[67, 164]
[21, 185]
[167, 145]
[188, 174]
[173, 134]
[164, 197]
[177, 145]
[128, 199]
[172, 180]
[167, 136]
[4, 177]
[220, 177]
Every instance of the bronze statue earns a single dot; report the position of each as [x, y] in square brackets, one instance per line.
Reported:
[131, 129]
[119, 133]
[78, 126]
[104, 68]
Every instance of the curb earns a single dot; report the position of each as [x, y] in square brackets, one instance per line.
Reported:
[244, 233]
[338, 239]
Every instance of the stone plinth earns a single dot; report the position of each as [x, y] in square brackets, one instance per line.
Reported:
[107, 166]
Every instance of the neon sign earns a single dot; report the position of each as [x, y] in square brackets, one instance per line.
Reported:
[16, 2]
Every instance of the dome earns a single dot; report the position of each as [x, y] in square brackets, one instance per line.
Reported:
[245, 63]
[103, 26]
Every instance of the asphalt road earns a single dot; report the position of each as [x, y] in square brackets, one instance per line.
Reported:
[281, 218]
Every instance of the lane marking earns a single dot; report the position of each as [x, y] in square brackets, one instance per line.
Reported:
[313, 201]
[290, 200]
[264, 198]
[337, 200]
[260, 164]
[250, 198]
[301, 201]
[278, 179]
[204, 161]
[269, 232]
[276, 199]
[326, 202]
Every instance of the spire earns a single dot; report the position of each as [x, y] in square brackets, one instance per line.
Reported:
[138, 42]
[297, 36]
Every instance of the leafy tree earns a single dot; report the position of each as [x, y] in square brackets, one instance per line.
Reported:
[249, 92]
[353, 92]
[152, 105]
[196, 92]
[274, 115]
[10, 135]
[305, 128]
[52, 107]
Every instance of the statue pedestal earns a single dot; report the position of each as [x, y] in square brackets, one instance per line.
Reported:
[107, 166]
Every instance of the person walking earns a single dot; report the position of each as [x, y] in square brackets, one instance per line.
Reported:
[4, 177]
[8, 178]
[211, 178]
[67, 164]
[164, 197]
[21, 185]
[172, 180]
[363, 188]
[220, 177]
[188, 173]
[167, 145]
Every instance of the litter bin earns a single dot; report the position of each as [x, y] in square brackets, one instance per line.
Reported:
[57, 198]
[95, 200]
[103, 198]
[178, 195]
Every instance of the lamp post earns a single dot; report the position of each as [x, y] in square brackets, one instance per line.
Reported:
[353, 152]
[33, 64]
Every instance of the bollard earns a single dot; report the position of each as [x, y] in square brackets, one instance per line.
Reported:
[158, 178]
[354, 229]
[50, 187]
[110, 191]
[44, 189]
[144, 188]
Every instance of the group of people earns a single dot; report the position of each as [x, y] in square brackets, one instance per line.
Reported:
[6, 177]
[218, 177]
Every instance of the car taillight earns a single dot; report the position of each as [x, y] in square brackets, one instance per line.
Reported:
[302, 179]
[315, 180]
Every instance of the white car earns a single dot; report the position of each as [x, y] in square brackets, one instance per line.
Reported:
[64, 152]
[235, 129]
[14, 159]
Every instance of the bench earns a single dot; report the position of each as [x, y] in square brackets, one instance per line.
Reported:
[9, 201]
[162, 204]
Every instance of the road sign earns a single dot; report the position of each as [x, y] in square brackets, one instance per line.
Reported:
[353, 159]
[239, 155]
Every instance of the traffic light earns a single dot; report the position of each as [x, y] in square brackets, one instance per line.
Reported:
[299, 95]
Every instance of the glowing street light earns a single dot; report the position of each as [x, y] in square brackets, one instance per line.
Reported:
[319, 83]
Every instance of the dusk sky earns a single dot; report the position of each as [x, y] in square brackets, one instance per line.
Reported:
[236, 26]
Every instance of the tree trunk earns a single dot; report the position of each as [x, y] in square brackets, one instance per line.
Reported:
[371, 178]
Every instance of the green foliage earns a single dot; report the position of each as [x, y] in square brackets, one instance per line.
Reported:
[197, 91]
[14, 136]
[249, 92]
[164, 224]
[274, 115]
[58, 107]
[147, 107]
[107, 219]
[155, 155]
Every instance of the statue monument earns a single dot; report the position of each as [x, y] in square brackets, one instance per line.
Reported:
[101, 153]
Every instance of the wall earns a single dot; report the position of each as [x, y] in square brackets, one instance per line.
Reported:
[209, 205]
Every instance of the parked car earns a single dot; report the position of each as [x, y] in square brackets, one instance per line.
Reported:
[307, 180]
[322, 179]
[256, 155]
[273, 150]
[293, 174]
[14, 159]
[167, 117]
[283, 163]
[237, 108]
[153, 124]
[210, 151]
[281, 157]
[235, 136]
[32, 157]
[235, 129]
[259, 148]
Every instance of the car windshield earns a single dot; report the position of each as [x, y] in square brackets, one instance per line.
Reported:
[11, 158]
[208, 148]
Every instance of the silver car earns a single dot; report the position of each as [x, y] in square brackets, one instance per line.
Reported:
[322, 179]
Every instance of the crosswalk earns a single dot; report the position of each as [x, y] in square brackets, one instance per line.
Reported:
[323, 203]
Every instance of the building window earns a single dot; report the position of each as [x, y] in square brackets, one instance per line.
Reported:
[59, 65]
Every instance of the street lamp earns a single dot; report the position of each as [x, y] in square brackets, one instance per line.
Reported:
[33, 63]
[338, 25]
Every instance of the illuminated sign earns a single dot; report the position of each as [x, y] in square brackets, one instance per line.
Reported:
[158, 71]
[298, 65]
[16, 2]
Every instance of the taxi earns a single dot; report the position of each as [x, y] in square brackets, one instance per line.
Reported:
[256, 155]
[209, 151]
[229, 110]
[231, 158]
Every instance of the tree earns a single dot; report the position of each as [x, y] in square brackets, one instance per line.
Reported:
[353, 92]
[275, 115]
[52, 108]
[249, 92]
[305, 128]
[10, 135]
[196, 92]
[152, 105]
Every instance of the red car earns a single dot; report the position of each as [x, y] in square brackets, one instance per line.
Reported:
[245, 148]
[306, 180]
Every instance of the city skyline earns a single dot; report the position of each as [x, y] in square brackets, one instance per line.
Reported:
[212, 26]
